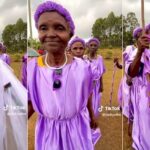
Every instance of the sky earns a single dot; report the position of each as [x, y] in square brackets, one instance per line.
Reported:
[11, 11]
[135, 6]
[83, 12]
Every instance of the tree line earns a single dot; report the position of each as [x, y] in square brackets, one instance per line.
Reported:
[112, 30]
[14, 36]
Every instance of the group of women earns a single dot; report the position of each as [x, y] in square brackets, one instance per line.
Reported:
[65, 86]
[134, 91]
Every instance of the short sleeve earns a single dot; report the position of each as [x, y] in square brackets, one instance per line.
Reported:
[30, 69]
[130, 60]
[24, 74]
[101, 65]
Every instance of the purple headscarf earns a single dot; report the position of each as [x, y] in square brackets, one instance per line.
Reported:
[136, 32]
[95, 40]
[52, 6]
[77, 39]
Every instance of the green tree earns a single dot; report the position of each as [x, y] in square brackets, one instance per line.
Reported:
[109, 30]
[33, 43]
[129, 23]
[15, 36]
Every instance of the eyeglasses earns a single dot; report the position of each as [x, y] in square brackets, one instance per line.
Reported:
[56, 75]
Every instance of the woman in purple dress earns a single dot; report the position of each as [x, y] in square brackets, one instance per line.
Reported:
[123, 92]
[59, 85]
[96, 60]
[77, 47]
[3, 56]
[136, 68]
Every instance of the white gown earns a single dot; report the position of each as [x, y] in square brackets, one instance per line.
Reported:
[13, 111]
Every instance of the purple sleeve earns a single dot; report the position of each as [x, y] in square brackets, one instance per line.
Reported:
[101, 66]
[30, 78]
[8, 59]
[24, 74]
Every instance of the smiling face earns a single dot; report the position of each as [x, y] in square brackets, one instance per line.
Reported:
[54, 32]
[77, 49]
[93, 46]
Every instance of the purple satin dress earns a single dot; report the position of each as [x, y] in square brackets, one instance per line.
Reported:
[96, 99]
[24, 71]
[63, 118]
[141, 108]
[123, 92]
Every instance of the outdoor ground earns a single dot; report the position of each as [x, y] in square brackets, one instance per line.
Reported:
[110, 121]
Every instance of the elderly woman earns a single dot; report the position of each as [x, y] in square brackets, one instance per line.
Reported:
[59, 85]
[124, 93]
[77, 47]
[136, 68]
[96, 60]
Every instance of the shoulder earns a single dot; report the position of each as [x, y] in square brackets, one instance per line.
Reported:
[81, 64]
[32, 66]
[32, 62]
[129, 48]
[147, 52]
[85, 56]
[6, 55]
[100, 57]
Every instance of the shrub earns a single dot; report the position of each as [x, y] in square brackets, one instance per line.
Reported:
[108, 55]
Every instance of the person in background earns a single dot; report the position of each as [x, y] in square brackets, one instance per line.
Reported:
[3, 55]
[137, 68]
[97, 61]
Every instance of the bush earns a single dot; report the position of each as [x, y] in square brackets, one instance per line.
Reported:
[17, 57]
[110, 47]
[108, 55]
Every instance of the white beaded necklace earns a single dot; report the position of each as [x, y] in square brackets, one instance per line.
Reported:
[66, 59]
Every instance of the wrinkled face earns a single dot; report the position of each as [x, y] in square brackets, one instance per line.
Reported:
[77, 49]
[93, 47]
[54, 32]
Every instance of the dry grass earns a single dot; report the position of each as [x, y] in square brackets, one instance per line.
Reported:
[16, 65]
[111, 126]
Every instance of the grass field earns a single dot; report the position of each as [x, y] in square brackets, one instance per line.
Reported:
[111, 126]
